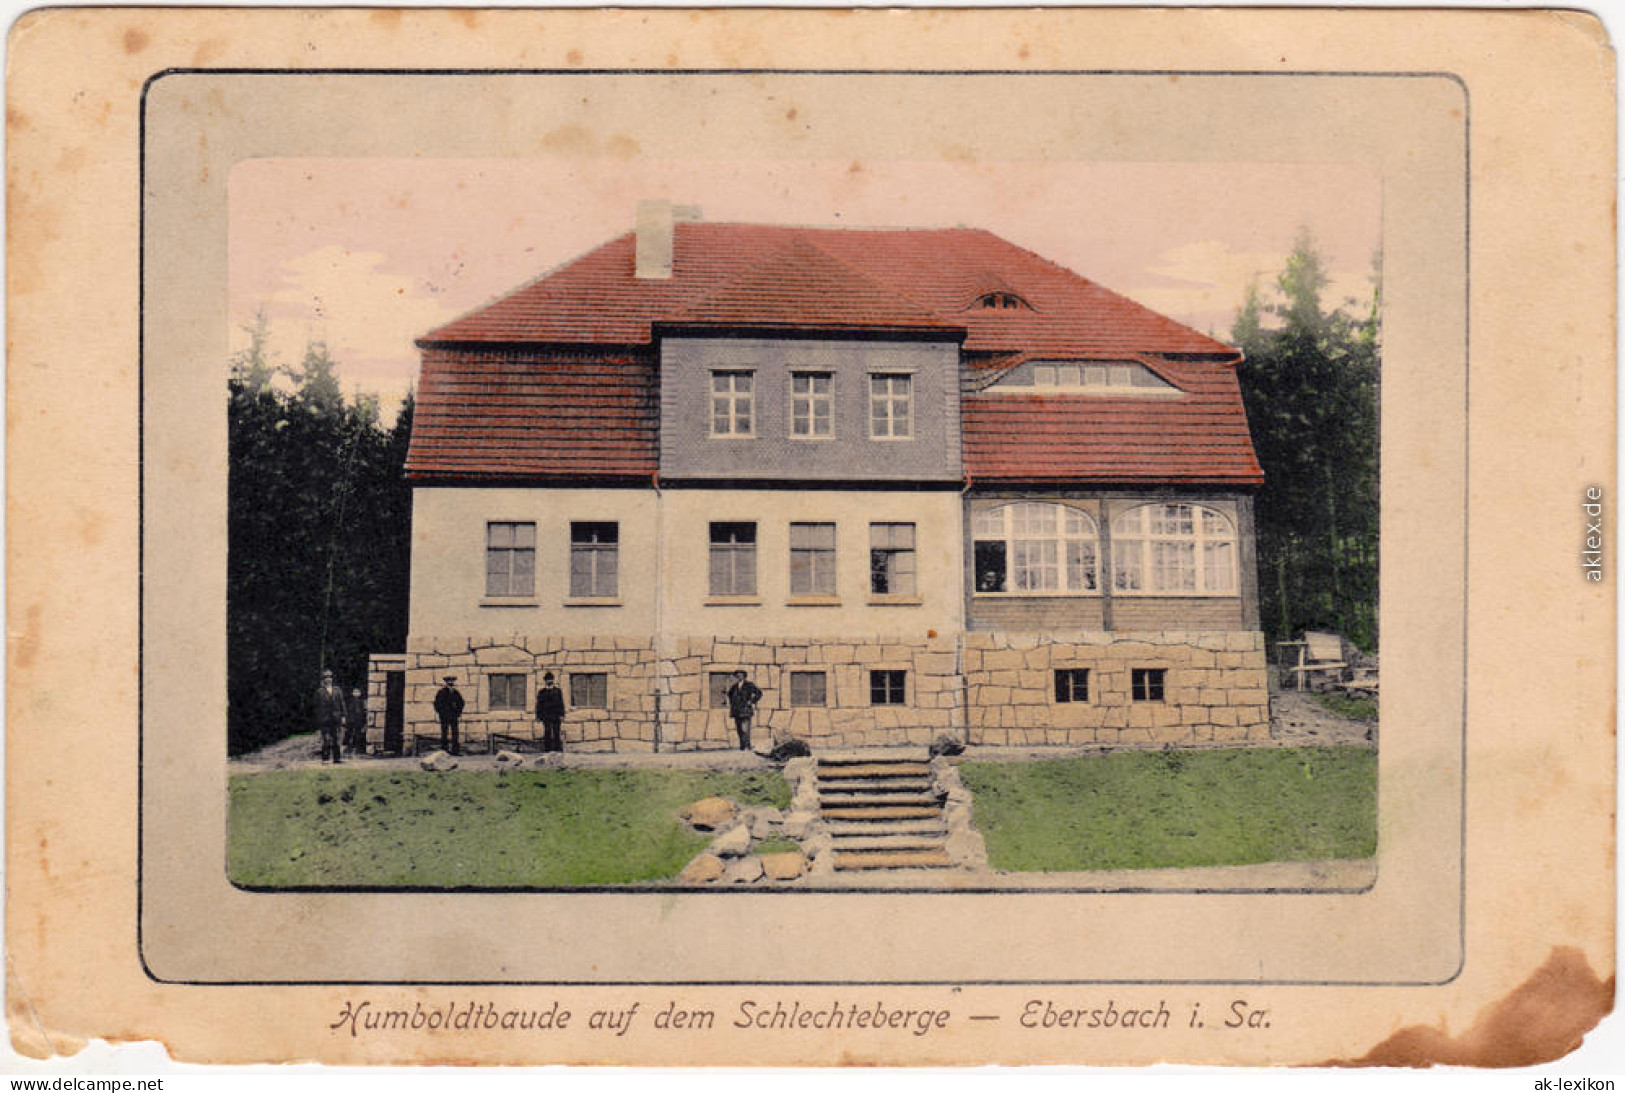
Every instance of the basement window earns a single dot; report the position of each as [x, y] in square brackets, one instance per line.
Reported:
[809, 689]
[1148, 684]
[1072, 685]
[887, 687]
[508, 691]
[589, 689]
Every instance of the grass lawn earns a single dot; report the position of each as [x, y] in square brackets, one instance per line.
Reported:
[1144, 810]
[545, 828]
[1355, 709]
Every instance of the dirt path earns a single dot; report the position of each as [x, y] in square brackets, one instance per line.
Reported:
[1296, 720]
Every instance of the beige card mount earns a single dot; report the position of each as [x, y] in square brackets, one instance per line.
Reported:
[175, 173]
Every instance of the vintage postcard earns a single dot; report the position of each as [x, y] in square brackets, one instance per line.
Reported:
[811, 537]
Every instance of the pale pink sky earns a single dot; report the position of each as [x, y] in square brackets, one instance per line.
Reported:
[370, 253]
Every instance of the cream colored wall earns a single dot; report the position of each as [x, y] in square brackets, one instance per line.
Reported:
[938, 546]
[448, 562]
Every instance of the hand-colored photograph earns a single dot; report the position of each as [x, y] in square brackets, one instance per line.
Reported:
[802, 525]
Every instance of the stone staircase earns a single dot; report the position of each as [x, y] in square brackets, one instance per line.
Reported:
[882, 810]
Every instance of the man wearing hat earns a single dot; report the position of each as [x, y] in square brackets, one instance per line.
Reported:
[448, 706]
[330, 717]
[550, 712]
[742, 699]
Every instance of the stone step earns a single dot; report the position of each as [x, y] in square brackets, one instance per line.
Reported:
[858, 800]
[892, 859]
[875, 785]
[874, 770]
[870, 827]
[907, 754]
[844, 843]
[883, 812]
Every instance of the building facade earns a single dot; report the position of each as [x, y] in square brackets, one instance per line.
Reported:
[916, 483]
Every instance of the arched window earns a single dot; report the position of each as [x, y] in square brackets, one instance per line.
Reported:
[1000, 301]
[1174, 549]
[1036, 548]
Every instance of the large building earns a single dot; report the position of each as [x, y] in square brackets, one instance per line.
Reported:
[916, 483]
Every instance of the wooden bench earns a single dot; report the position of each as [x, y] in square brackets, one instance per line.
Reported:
[1362, 684]
[1318, 652]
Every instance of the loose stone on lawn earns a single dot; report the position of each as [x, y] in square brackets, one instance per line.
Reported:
[786, 866]
[507, 758]
[746, 870]
[708, 814]
[438, 761]
[704, 869]
[732, 843]
[761, 821]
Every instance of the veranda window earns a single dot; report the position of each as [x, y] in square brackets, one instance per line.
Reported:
[1174, 549]
[1034, 547]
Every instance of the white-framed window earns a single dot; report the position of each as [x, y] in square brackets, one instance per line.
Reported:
[594, 559]
[892, 560]
[891, 405]
[1177, 549]
[1127, 377]
[809, 689]
[733, 559]
[510, 558]
[1035, 548]
[507, 691]
[812, 404]
[733, 404]
[812, 559]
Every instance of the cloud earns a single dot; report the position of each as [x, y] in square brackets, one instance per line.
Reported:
[367, 314]
[1204, 283]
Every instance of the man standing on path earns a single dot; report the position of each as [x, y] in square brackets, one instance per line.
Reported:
[330, 716]
[448, 706]
[742, 698]
[550, 712]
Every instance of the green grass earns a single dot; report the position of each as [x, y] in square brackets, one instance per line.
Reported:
[1145, 810]
[1355, 709]
[545, 828]
[775, 844]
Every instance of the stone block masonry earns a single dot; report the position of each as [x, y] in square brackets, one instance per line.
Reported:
[1212, 684]
[641, 695]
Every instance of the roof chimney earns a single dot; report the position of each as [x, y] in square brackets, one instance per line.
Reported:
[656, 225]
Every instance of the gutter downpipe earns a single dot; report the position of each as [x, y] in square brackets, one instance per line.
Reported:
[966, 566]
[660, 606]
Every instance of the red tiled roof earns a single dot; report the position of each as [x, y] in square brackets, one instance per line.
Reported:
[506, 413]
[1200, 438]
[858, 277]
[584, 403]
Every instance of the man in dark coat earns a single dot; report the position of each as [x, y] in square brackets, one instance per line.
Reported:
[550, 712]
[448, 706]
[742, 698]
[330, 717]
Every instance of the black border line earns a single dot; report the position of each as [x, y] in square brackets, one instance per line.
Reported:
[141, 466]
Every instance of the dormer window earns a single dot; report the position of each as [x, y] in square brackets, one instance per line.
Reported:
[1116, 378]
[1000, 301]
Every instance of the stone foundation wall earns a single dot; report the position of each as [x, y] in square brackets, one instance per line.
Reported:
[931, 708]
[1215, 688]
[992, 689]
[626, 722]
